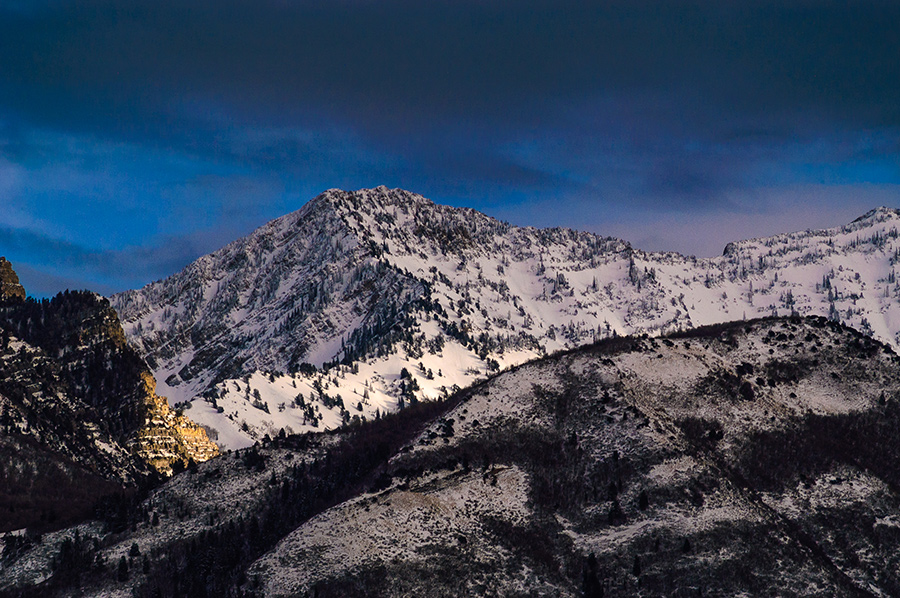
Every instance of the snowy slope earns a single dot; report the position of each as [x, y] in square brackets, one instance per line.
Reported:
[647, 451]
[752, 458]
[415, 298]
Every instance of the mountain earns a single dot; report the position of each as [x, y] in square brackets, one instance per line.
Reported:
[363, 302]
[745, 459]
[79, 418]
[750, 458]
[57, 459]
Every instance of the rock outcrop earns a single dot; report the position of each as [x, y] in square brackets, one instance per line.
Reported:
[166, 439]
[81, 335]
[10, 288]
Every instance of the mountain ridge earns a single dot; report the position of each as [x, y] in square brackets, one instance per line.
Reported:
[403, 299]
[743, 458]
[73, 351]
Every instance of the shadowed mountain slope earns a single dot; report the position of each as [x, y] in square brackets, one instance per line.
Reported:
[752, 458]
[79, 418]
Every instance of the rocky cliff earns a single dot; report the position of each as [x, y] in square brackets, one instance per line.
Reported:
[167, 439]
[9, 282]
[81, 335]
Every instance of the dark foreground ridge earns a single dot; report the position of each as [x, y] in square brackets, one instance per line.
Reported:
[753, 457]
[79, 421]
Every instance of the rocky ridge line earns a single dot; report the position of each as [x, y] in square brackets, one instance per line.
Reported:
[81, 334]
[9, 281]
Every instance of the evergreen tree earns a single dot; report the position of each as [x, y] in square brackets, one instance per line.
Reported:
[590, 584]
[122, 570]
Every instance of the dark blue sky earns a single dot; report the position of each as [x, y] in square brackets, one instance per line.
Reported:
[136, 136]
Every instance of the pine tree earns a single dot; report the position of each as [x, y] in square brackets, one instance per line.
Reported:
[590, 584]
[122, 570]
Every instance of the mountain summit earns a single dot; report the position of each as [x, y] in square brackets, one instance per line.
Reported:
[362, 302]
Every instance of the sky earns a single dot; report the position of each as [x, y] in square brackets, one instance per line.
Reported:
[136, 136]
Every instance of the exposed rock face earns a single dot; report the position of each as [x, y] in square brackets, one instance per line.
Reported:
[167, 439]
[81, 335]
[9, 282]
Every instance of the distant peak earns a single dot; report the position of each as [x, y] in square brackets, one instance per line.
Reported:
[376, 199]
[380, 196]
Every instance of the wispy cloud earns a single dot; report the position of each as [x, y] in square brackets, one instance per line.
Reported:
[43, 260]
[131, 125]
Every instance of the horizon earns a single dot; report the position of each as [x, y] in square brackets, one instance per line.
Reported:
[136, 136]
[24, 281]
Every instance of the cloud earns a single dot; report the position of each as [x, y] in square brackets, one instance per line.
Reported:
[329, 85]
[47, 261]
[139, 131]
[394, 65]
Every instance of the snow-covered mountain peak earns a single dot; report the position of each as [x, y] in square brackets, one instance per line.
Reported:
[879, 214]
[879, 220]
[363, 301]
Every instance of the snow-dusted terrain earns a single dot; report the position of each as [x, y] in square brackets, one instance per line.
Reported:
[413, 299]
[711, 460]
[746, 459]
